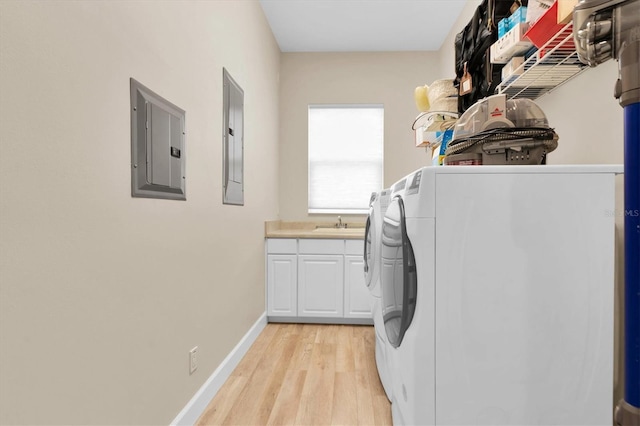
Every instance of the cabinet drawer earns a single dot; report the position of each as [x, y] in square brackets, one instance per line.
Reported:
[281, 246]
[321, 246]
[354, 247]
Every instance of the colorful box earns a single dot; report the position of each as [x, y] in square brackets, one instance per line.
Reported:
[437, 153]
[506, 24]
[503, 27]
[517, 17]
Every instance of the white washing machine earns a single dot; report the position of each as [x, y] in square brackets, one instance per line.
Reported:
[397, 189]
[497, 295]
[378, 206]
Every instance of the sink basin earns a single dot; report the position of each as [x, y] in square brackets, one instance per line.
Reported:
[356, 231]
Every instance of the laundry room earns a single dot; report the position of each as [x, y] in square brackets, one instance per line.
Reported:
[222, 212]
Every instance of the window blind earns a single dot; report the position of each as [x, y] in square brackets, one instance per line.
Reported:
[345, 157]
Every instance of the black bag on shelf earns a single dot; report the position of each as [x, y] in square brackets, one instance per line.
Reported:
[476, 76]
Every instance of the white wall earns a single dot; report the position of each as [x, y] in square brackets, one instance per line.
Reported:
[387, 78]
[587, 118]
[103, 295]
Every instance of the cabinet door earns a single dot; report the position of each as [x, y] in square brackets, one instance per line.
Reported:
[357, 300]
[282, 292]
[320, 285]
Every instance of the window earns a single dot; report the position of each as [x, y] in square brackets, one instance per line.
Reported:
[345, 157]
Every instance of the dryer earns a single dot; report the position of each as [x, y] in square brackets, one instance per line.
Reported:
[378, 205]
[413, 398]
[497, 295]
[373, 229]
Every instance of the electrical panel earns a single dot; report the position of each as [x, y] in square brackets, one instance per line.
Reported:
[157, 146]
[233, 141]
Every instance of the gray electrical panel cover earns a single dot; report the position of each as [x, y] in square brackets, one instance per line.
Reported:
[157, 146]
[233, 141]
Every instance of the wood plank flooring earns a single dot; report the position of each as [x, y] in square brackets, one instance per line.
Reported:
[304, 374]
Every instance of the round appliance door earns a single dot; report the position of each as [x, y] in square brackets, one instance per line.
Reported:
[370, 267]
[398, 279]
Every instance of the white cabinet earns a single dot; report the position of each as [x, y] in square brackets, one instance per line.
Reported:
[282, 278]
[357, 302]
[320, 285]
[317, 280]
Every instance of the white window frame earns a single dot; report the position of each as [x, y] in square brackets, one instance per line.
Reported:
[339, 210]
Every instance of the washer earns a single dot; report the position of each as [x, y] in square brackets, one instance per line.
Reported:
[378, 206]
[497, 295]
[399, 301]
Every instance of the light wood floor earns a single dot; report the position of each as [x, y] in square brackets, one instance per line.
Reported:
[304, 374]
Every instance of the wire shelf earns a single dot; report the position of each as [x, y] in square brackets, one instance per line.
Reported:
[555, 63]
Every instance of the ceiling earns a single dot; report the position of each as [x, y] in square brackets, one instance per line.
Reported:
[361, 25]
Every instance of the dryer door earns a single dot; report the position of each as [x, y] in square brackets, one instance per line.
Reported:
[371, 253]
[398, 279]
[368, 240]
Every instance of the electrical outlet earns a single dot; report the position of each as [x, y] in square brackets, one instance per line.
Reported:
[193, 361]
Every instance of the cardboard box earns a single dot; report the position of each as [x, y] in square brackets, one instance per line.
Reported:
[512, 67]
[565, 10]
[512, 44]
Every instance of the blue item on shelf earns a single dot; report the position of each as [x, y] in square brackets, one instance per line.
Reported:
[438, 157]
[520, 15]
[503, 27]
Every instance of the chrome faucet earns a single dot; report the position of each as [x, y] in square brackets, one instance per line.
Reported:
[340, 225]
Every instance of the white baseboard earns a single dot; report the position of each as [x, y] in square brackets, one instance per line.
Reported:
[194, 408]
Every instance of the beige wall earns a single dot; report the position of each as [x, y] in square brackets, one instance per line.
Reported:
[589, 122]
[103, 295]
[317, 78]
